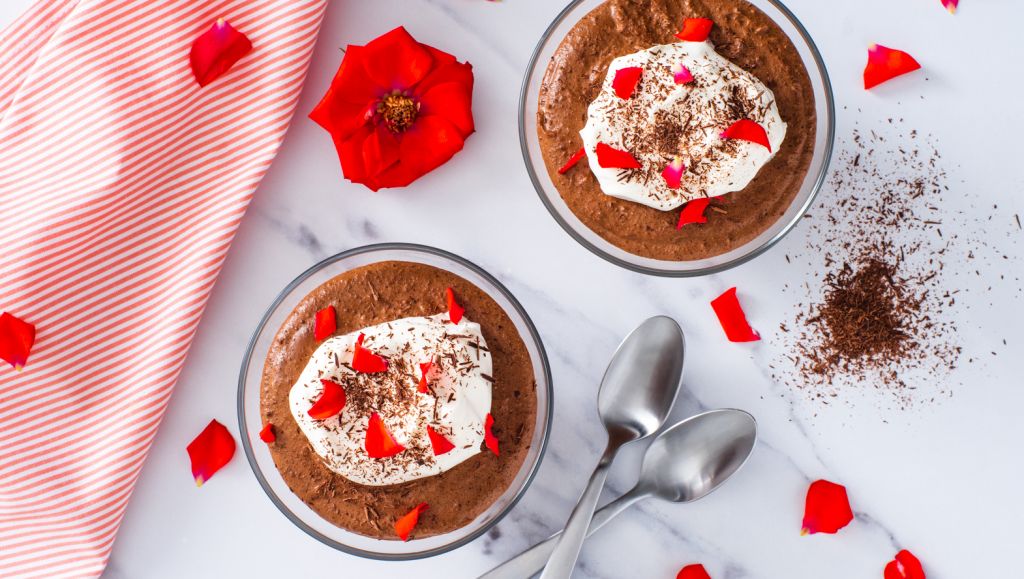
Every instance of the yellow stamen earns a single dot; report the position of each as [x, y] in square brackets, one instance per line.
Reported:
[399, 111]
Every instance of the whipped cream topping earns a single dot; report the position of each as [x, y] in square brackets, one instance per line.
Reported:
[456, 405]
[663, 120]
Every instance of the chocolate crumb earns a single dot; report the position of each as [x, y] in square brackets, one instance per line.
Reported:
[880, 315]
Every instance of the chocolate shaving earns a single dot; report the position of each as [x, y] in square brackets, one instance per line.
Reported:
[878, 315]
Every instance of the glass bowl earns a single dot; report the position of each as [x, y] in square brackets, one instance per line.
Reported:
[250, 421]
[549, 194]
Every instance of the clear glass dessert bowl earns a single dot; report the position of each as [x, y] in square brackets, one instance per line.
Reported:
[250, 421]
[552, 199]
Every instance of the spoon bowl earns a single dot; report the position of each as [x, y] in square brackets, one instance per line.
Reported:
[694, 457]
[641, 382]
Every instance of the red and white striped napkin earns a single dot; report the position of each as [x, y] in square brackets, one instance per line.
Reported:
[121, 185]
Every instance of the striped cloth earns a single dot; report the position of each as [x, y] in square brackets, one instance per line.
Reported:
[122, 183]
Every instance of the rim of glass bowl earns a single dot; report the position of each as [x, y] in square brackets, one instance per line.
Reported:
[549, 195]
[431, 546]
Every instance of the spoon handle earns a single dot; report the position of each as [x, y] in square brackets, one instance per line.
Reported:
[563, 559]
[531, 561]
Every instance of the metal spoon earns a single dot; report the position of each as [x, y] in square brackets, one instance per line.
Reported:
[636, 395]
[685, 463]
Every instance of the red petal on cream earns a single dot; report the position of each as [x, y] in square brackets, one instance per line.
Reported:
[748, 130]
[366, 361]
[693, 212]
[379, 442]
[16, 339]
[490, 441]
[405, 525]
[267, 435]
[695, 29]
[455, 311]
[951, 5]
[673, 173]
[424, 370]
[681, 74]
[326, 323]
[210, 451]
[827, 508]
[695, 571]
[885, 64]
[625, 81]
[216, 51]
[439, 443]
[612, 158]
[572, 161]
[330, 403]
[904, 566]
[734, 321]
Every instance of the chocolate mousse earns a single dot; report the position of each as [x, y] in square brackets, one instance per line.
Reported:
[396, 407]
[663, 110]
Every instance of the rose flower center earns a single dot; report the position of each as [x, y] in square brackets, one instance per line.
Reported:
[399, 111]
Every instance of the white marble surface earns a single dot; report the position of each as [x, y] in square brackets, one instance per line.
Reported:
[942, 479]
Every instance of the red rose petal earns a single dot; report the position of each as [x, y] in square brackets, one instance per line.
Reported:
[424, 370]
[611, 158]
[381, 150]
[330, 403]
[885, 64]
[379, 442]
[326, 323]
[455, 311]
[827, 509]
[747, 130]
[904, 566]
[439, 443]
[681, 74]
[695, 29]
[572, 161]
[693, 212]
[951, 5]
[625, 81]
[695, 571]
[216, 51]
[673, 174]
[350, 151]
[405, 525]
[365, 361]
[431, 142]
[348, 104]
[454, 102]
[733, 320]
[490, 441]
[210, 451]
[446, 69]
[16, 339]
[396, 61]
[267, 434]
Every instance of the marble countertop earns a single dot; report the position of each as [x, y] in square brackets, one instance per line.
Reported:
[940, 478]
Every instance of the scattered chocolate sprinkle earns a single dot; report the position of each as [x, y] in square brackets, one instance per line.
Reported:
[880, 314]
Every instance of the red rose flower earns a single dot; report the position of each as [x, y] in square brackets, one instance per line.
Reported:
[397, 109]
